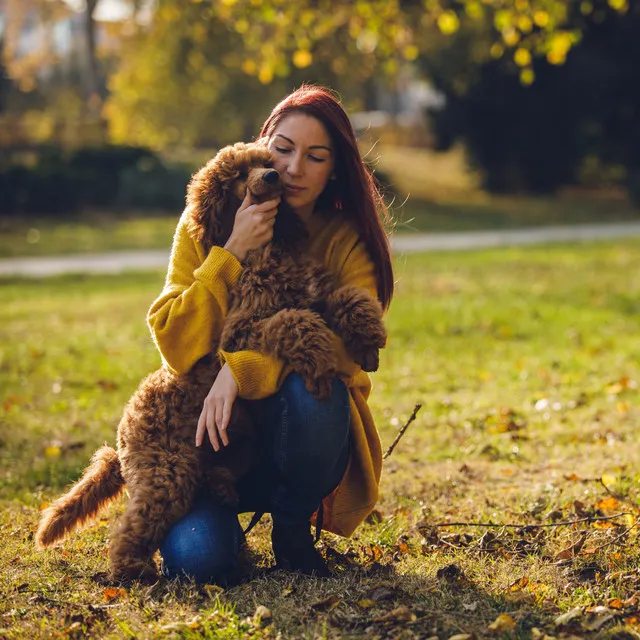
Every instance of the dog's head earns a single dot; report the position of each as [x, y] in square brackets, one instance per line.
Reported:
[217, 190]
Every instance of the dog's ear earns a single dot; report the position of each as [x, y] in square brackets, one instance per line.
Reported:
[208, 194]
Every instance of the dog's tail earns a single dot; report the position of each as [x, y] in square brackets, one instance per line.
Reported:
[101, 483]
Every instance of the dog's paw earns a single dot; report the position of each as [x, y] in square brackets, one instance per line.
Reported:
[134, 572]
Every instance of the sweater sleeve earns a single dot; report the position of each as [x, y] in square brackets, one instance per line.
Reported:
[189, 314]
[260, 375]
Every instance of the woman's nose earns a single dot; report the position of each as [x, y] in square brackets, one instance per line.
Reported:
[295, 165]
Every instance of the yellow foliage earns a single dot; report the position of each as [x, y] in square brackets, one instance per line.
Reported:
[541, 18]
[522, 57]
[448, 23]
[527, 77]
[250, 67]
[410, 52]
[496, 50]
[302, 58]
[619, 5]
[474, 10]
[586, 8]
[242, 25]
[560, 44]
[525, 24]
[266, 74]
[511, 37]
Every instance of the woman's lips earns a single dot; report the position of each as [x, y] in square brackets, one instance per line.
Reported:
[294, 189]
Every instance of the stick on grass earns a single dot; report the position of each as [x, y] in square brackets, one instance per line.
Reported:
[412, 417]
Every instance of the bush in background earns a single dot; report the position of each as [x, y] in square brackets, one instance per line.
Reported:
[53, 181]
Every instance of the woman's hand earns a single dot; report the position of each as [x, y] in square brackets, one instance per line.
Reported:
[216, 411]
[252, 227]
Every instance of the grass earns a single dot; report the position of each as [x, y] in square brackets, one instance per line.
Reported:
[526, 362]
[433, 192]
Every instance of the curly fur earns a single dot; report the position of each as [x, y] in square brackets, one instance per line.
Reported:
[284, 304]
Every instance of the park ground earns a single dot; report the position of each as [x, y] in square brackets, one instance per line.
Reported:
[508, 509]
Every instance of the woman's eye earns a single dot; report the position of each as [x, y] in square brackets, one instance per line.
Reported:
[316, 159]
[282, 150]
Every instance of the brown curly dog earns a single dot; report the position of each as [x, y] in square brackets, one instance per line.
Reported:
[283, 304]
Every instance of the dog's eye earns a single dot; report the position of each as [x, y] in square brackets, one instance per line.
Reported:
[268, 165]
[243, 175]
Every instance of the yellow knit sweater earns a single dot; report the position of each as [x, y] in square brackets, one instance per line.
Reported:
[190, 313]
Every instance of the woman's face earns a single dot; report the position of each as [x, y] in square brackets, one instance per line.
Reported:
[304, 157]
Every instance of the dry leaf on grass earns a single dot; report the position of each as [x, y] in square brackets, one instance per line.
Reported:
[113, 593]
[504, 623]
[326, 604]
[400, 614]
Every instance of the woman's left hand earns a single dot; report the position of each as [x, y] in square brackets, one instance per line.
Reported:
[216, 411]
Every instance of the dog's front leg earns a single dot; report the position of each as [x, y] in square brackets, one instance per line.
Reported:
[301, 338]
[356, 317]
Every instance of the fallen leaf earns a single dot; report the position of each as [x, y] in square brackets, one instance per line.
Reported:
[470, 606]
[565, 554]
[580, 509]
[504, 623]
[376, 552]
[107, 385]
[287, 591]
[113, 593]
[450, 572]
[403, 548]
[262, 613]
[53, 451]
[597, 618]
[366, 604]
[519, 597]
[326, 604]
[519, 584]
[213, 590]
[400, 614]
[616, 603]
[609, 504]
[569, 616]
[381, 592]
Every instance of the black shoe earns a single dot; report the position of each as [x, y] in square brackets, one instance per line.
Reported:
[294, 549]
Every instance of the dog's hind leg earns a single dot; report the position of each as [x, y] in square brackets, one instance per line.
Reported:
[356, 317]
[155, 504]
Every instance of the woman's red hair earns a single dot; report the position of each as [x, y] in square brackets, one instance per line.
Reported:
[354, 190]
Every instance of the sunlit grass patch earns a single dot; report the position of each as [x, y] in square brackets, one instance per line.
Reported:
[526, 363]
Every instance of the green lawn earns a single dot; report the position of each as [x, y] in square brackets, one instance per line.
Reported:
[526, 362]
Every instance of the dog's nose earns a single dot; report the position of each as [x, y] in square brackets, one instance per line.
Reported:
[271, 176]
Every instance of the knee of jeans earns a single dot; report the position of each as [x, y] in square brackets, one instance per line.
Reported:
[321, 422]
[202, 546]
[317, 431]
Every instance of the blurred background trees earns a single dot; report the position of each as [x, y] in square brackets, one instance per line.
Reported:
[541, 93]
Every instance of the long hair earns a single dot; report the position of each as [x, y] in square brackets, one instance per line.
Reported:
[354, 190]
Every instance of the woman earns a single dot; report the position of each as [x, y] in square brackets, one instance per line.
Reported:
[314, 451]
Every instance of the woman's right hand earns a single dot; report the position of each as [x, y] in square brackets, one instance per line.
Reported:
[252, 227]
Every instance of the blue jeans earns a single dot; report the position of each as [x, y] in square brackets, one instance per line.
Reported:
[306, 450]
